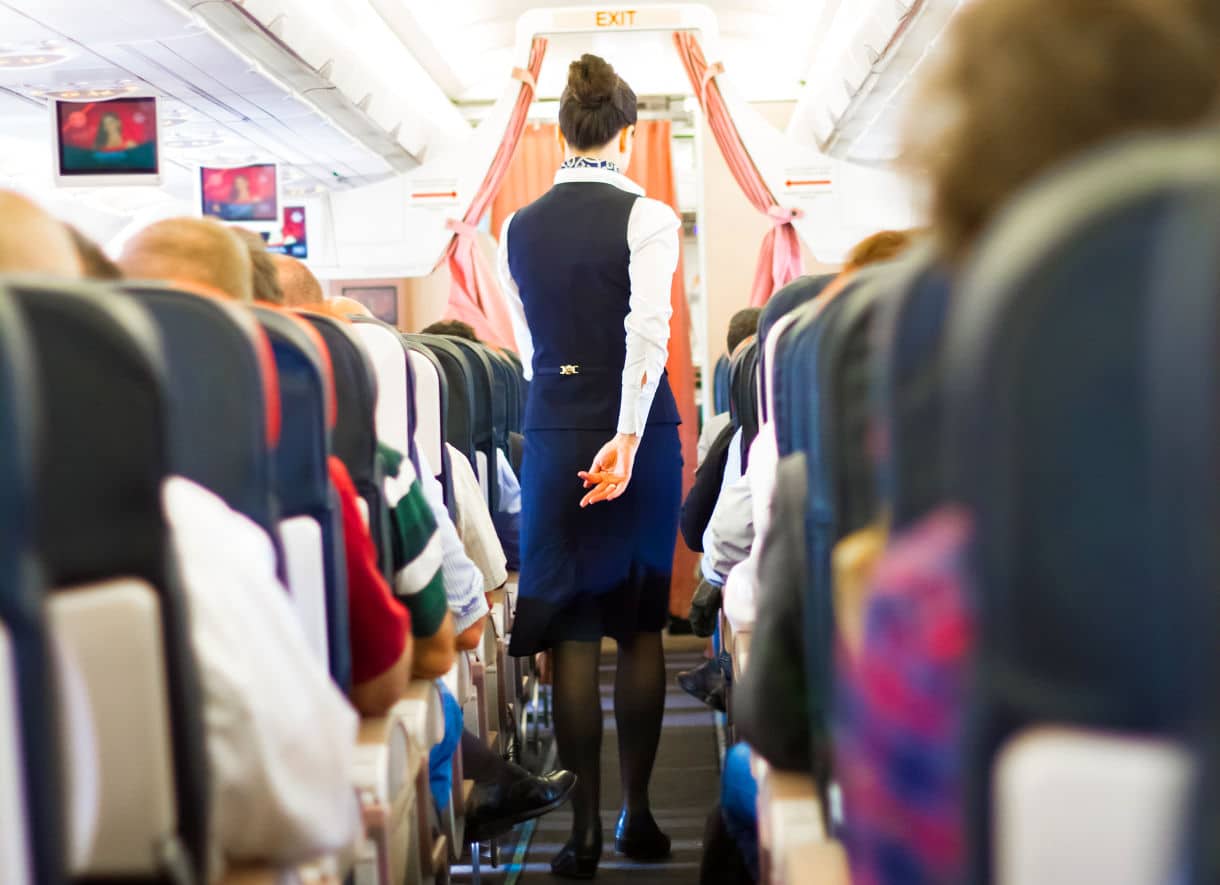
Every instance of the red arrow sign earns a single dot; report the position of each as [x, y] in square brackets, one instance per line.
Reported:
[450, 194]
[821, 182]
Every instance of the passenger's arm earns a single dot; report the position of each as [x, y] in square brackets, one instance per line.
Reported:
[512, 298]
[436, 654]
[376, 696]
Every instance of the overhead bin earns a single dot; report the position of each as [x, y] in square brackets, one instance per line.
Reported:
[852, 106]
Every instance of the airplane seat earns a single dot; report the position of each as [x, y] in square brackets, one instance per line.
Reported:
[522, 386]
[106, 551]
[460, 419]
[796, 294]
[431, 404]
[720, 385]
[224, 397]
[1093, 579]
[311, 527]
[32, 841]
[743, 402]
[396, 408]
[909, 395]
[355, 436]
[483, 398]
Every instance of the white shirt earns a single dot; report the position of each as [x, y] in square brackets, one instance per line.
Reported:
[741, 588]
[464, 582]
[281, 738]
[712, 428]
[652, 236]
[730, 532]
[474, 523]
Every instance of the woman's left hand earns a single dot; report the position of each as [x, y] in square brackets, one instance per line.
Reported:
[610, 473]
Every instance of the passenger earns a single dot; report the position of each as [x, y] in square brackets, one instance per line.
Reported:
[32, 241]
[300, 287]
[452, 328]
[341, 306]
[266, 277]
[95, 264]
[505, 794]
[1075, 74]
[199, 254]
[202, 254]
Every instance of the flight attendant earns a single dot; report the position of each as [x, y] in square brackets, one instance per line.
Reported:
[587, 271]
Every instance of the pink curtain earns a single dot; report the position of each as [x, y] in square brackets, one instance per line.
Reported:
[780, 261]
[474, 295]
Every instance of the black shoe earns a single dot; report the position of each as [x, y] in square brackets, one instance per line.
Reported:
[680, 627]
[639, 838]
[706, 683]
[578, 859]
[497, 808]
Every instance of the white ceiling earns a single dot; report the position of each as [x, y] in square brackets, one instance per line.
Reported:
[766, 45]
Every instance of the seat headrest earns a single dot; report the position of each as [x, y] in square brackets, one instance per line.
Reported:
[18, 442]
[789, 298]
[743, 390]
[460, 420]
[302, 480]
[224, 396]
[104, 412]
[396, 408]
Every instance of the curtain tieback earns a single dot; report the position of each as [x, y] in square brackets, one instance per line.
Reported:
[526, 78]
[462, 228]
[709, 74]
[781, 216]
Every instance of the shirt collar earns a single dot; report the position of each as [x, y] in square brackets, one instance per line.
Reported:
[598, 176]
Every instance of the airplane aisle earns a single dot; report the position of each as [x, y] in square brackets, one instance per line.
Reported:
[685, 786]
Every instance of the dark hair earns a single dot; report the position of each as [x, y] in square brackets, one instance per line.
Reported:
[596, 104]
[99, 140]
[743, 324]
[95, 263]
[453, 328]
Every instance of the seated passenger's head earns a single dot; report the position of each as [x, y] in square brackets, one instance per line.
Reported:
[95, 264]
[32, 241]
[598, 112]
[347, 307]
[300, 287]
[1028, 84]
[452, 328]
[884, 246]
[742, 327]
[264, 280]
[195, 253]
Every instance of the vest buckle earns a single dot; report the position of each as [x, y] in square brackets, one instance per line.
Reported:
[569, 370]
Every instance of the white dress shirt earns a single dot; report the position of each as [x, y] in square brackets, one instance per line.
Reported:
[281, 738]
[474, 523]
[464, 582]
[653, 238]
[741, 588]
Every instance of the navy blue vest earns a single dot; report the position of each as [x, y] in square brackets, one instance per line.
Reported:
[569, 256]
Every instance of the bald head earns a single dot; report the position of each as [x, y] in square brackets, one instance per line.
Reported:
[350, 307]
[191, 252]
[299, 285]
[32, 241]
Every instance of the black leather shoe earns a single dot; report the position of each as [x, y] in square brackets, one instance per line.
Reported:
[496, 808]
[578, 859]
[705, 683]
[639, 838]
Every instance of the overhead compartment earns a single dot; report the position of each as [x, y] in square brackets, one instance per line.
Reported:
[857, 92]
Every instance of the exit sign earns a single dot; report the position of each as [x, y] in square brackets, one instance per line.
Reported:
[615, 18]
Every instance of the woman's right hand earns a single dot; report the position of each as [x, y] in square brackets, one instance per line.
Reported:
[610, 473]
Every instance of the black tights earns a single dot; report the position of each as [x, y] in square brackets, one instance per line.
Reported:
[639, 704]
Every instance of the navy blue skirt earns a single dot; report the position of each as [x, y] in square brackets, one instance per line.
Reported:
[604, 570]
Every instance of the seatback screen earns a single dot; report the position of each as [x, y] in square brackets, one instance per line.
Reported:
[244, 193]
[294, 238]
[114, 137]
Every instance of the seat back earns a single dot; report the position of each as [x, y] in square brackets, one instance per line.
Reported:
[355, 436]
[909, 394]
[743, 385]
[483, 399]
[32, 845]
[224, 397]
[310, 529]
[431, 403]
[522, 385]
[106, 551]
[796, 294]
[506, 417]
[460, 419]
[1054, 442]
[720, 385]
[396, 410]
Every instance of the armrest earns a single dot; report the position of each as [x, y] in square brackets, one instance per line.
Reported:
[741, 654]
[816, 863]
[790, 812]
[255, 874]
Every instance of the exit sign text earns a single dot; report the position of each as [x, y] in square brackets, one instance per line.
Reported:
[621, 18]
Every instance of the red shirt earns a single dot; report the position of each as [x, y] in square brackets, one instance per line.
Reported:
[378, 625]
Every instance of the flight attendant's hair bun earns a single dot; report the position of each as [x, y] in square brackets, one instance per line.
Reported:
[596, 105]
